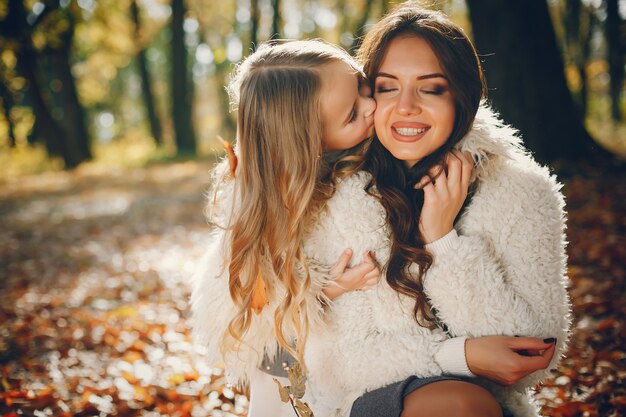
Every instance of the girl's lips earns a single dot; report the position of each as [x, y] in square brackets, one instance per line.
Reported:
[409, 132]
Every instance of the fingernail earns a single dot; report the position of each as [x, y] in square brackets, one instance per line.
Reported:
[550, 340]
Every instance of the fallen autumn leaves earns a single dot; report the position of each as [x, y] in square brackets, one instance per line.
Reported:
[93, 297]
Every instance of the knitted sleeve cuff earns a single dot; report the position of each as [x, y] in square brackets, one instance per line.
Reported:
[443, 244]
[451, 357]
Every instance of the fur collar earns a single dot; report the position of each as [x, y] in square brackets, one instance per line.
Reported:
[490, 140]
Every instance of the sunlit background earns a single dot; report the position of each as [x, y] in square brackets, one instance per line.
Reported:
[86, 79]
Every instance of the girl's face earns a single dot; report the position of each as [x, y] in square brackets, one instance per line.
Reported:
[347, 111]
[415, 107]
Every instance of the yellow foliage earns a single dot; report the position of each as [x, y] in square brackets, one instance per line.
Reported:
[573, 77]
[27, 160]
[39, 40]
[92, 90]
[598, 66]
[17, 83]
[134, 149]
[8, 58]
[24, 120]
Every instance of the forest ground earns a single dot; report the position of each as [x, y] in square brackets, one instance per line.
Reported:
[94, 295]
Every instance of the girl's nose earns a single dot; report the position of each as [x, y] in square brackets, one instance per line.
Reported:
[369, 106]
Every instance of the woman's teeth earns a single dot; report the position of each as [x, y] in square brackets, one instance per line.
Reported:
[410, 131]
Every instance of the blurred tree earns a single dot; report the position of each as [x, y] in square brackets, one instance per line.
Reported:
[182, 100]
[616, 52]
[579, 22]
[7, 104]
[59, 28]
[276, 20]
[360, 28]
[220, 30]
[526, 78]
[146, 79]
[37, 39]
[254, 24]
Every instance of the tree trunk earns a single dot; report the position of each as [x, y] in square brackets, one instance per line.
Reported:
[589, 22]
[182, 101]
[615, 56]
[524, 70]
[70, 143]
[573, 45]
[385, 6]
[146, 80]
[7, 105]
[74, 121]
[254, 24]
[45, 126]
[229, 126]
[276, 20]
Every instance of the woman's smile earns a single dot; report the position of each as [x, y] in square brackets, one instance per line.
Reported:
[409, 131]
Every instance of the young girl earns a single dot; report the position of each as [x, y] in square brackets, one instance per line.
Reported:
[467, 251]
[295, 101]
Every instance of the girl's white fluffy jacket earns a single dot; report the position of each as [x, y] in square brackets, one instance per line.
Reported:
[501, 272]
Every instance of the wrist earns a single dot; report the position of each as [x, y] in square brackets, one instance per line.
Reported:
[443, 244]
[435, 233]
[451, 357]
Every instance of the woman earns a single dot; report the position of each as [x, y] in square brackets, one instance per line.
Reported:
[456, 267]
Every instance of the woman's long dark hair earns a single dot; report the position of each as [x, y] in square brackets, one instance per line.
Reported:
[394, 182]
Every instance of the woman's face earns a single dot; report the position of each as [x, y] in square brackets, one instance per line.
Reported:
[415, 109]
[347, 111]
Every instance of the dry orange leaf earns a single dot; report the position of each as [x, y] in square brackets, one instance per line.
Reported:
[176, 379]
[259, 297]
[132, 356]
[232, 158]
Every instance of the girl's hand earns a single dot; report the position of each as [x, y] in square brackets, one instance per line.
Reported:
[444, 196]
[360, 277]
[507, 359]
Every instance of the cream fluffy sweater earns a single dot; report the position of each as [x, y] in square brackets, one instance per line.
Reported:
[501, 271]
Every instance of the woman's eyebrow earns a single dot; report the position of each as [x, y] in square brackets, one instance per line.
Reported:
[421, 77]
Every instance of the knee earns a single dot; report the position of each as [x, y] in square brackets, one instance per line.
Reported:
[451, 398]
[475, 401]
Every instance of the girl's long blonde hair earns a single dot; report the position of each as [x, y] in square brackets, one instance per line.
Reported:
[281, 182]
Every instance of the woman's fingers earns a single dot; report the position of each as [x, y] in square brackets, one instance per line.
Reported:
[454, 164]
[468, 167]
[530, 343]
[464, 172]
[373, 274]
[534, 363]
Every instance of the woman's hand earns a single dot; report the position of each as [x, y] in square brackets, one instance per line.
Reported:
[444, 195]
[360, 277]
[507, 359]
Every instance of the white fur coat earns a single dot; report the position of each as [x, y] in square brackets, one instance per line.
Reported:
[504, 273]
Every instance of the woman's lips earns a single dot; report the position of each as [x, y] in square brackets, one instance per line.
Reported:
[409, 132]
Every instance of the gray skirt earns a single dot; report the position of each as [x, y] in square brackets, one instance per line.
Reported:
[388, 401]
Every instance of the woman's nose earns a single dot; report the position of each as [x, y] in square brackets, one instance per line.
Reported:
[408, 104]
